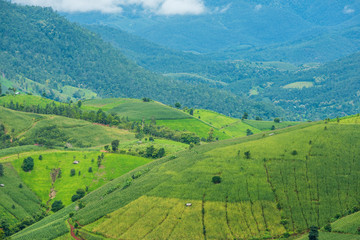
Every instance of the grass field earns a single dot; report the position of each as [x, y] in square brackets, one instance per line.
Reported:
[213, 118]
[16, 203]
[41, 182]
[27, 100]
[348, 224]
[332, 236]
[239, 129]
[192, 125]
[299, 85]
[266, 125]
[135, 109]
[80, 133]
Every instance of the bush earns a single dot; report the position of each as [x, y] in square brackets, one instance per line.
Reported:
[90, 169]
[72, 172]
[328, 227]
[57, 205]
[28, 164]
[75, 197]
[294, 153]
[40, 157]
[216, 179]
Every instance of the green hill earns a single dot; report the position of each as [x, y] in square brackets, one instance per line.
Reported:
[270, 185]
[135, 109]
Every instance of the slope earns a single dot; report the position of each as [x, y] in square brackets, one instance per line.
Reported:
[270, 185]
[19, 206]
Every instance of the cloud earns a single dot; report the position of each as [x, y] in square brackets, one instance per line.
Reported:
[348, 10]
[258, 7]
[105, 6]
[161, 7]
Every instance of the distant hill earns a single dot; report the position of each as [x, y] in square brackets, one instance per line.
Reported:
[271, 30]
[44, 47]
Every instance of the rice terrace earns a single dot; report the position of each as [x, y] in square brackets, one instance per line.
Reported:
[186, 119]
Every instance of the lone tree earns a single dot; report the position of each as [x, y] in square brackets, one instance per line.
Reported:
[57, 205]
[72, 172]
[247, 154]
[1, 170]
[40, 157]
[216, 179]
[314, 233]
[115, 145]
[177, 105]
[245, 116]
[249, 132]
[28, 164]
[277, 120]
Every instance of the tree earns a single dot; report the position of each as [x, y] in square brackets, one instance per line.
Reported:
[149, 151]
[28, 164]
[314, 233]
[277, 120]
[273, 127]
[79, 103]
[72, 172]
[40, 157]
[216, 179]
[245, 116]
[249, 132]
[1, 170]
[81, 192]
[191, 112]
[115, 145]
[247, 154]
[20, 185]
[0, 94]
[57, 205]
[211, 135]
[106, 147]
[328, 227]
[160, 153]
[90, 170]
[177, 105]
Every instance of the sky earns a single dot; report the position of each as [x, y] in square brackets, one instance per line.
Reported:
[161, 7]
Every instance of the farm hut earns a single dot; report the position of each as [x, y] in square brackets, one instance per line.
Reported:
[188, 204]
[76, 162]
[2, 185]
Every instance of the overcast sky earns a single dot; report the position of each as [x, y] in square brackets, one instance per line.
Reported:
[161, 7]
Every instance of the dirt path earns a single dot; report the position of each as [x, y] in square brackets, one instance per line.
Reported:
[72, 231]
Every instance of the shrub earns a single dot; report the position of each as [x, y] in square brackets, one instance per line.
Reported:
[57, 205]
[75, 197]
[20, 185]
[247, 154]
[294, 153]
[216, 179]
[28, 164]
[72, 172]
[90, 169]
[328, 227]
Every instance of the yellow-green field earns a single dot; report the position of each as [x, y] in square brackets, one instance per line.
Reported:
[41, 182]
[299, 85]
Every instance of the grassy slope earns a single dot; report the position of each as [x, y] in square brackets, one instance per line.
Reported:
[86, 133]
[39, 179]
[255, 194]
[332, 236]
[266, 125]
[16, 203]
[348, 224]
[135, 109]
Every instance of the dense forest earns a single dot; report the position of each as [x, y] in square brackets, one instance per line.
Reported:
[44, 47]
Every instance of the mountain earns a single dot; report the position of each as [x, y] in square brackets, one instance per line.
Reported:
[296, 31]
[43, 47]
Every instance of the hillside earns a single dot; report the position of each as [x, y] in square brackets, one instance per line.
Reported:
[270, 185]
[40, 46]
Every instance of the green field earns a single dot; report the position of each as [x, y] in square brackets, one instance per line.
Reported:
[16, 203]
[266, 125]
[213, 118]
[78, 132]
[239, 129]
[192, 125]
[348, 224]
[41, 181]
[135, 109]
[299, 85]
[332, 236]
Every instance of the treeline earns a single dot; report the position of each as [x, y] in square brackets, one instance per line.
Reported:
[71, 111]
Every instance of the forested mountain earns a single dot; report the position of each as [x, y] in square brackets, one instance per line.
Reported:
[296, 31]
[331, 88]
[40, 45]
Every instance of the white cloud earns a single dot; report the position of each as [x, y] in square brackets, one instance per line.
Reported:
[258, 7]
[348, 10]
[162, 7]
